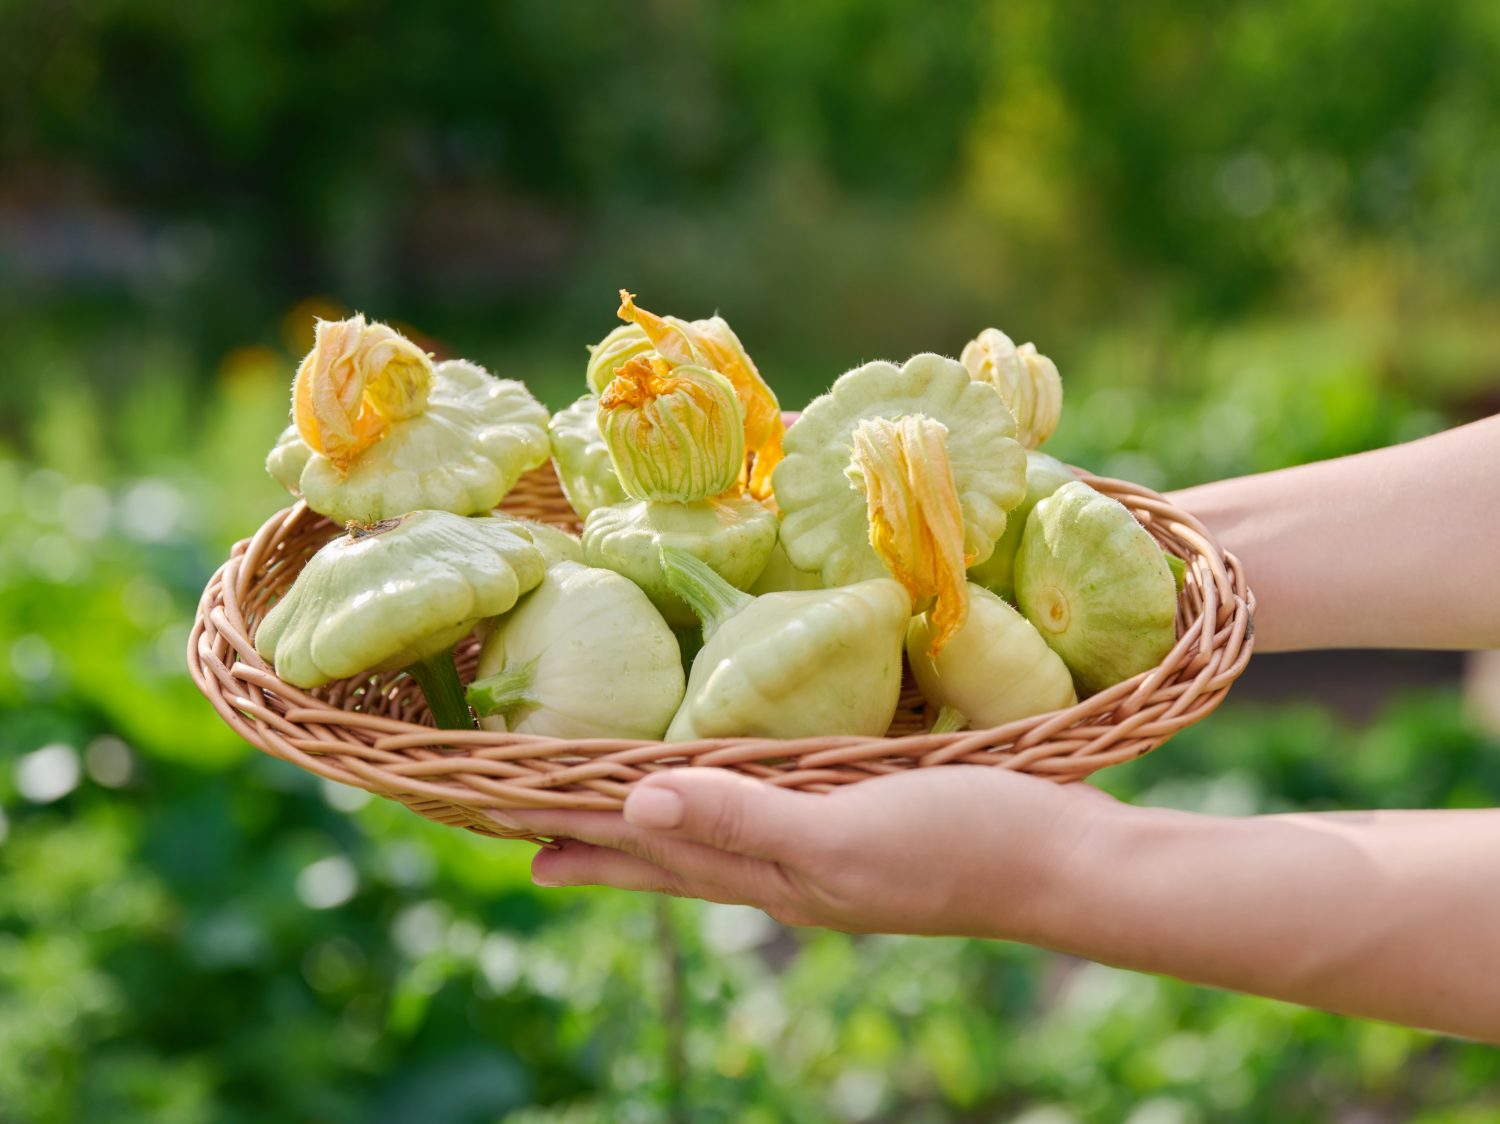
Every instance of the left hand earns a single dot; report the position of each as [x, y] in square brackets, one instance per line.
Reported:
[959, 850]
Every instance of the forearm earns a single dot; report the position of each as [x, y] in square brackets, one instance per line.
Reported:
[1397, 547]
[1392, 915]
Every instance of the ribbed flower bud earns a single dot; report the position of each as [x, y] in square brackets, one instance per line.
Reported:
[357, 379]
[673, 432]
[1028, 383]
[916, 523]
[613, 352]
[712, 343]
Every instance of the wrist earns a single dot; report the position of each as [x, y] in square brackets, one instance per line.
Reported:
[1101, 861]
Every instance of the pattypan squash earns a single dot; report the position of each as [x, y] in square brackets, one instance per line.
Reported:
[780, 575]
[1027, 382]
[825, 497]
[1096, 586]
[994, 670]
[674, 435]
[557, 546]
[379, 430]
[399, 594]
[581, 458]
[584, 655]
[789, 665]
[701, 343]
[1044, 475]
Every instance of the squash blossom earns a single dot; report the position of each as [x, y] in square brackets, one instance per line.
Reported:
[1027, 382]
[707, 343]
[789, 665]
[400, 594]
[379, 430]
[356, 380]
[611, 353]
[675, 436]
[673, 433]
[825, 520]
[916, 526]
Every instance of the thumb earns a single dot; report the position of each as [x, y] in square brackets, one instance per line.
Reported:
[726, 811]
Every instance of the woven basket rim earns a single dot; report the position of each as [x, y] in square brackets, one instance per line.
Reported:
[453, 776]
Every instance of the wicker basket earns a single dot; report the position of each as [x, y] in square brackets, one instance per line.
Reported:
[371, 732]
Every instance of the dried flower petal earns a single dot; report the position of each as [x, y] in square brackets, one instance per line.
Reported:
[916, 524]
[357, 379]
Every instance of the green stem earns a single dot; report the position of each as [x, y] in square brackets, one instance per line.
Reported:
[709, 596]
[949, 721]
[438, 678]
[505, 691]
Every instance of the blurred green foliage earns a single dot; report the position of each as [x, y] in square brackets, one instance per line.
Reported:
[1251, 235]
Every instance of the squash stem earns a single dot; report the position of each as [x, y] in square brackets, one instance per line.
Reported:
[712, 598]
[948, 721]
[505, 691]
[438, 678]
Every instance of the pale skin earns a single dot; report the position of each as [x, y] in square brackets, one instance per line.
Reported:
[1390, 915]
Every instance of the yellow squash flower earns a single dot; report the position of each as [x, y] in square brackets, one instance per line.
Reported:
[916, 523]
[712, 343]
[357, 379]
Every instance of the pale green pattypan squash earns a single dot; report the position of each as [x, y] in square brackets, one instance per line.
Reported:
[584, 655]
[994, 670]
[379, 430]
[1044, 475]
[825, 521]
[789, 665]
[780, 575]
[581, 458]
[732, 534]
[1096, 586]
[399, 594]
[675, 436]
[557, 546]
[707, 343]
[1027, 382]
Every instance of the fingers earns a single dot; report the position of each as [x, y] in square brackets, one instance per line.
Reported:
[583, 864]
[730, 812]
[746, 878]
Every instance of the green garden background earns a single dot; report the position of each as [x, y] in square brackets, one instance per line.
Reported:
[1250, 234]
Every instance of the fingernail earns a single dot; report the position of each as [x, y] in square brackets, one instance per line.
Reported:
[654, 807]
[545, 883]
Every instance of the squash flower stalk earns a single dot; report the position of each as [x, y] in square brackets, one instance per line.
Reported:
[399, 595]
[713, 344]
[792, 664]
[378, 429]
[675, 435]
[916, 525]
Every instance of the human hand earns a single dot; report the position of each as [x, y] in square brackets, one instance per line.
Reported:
[957, 850]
